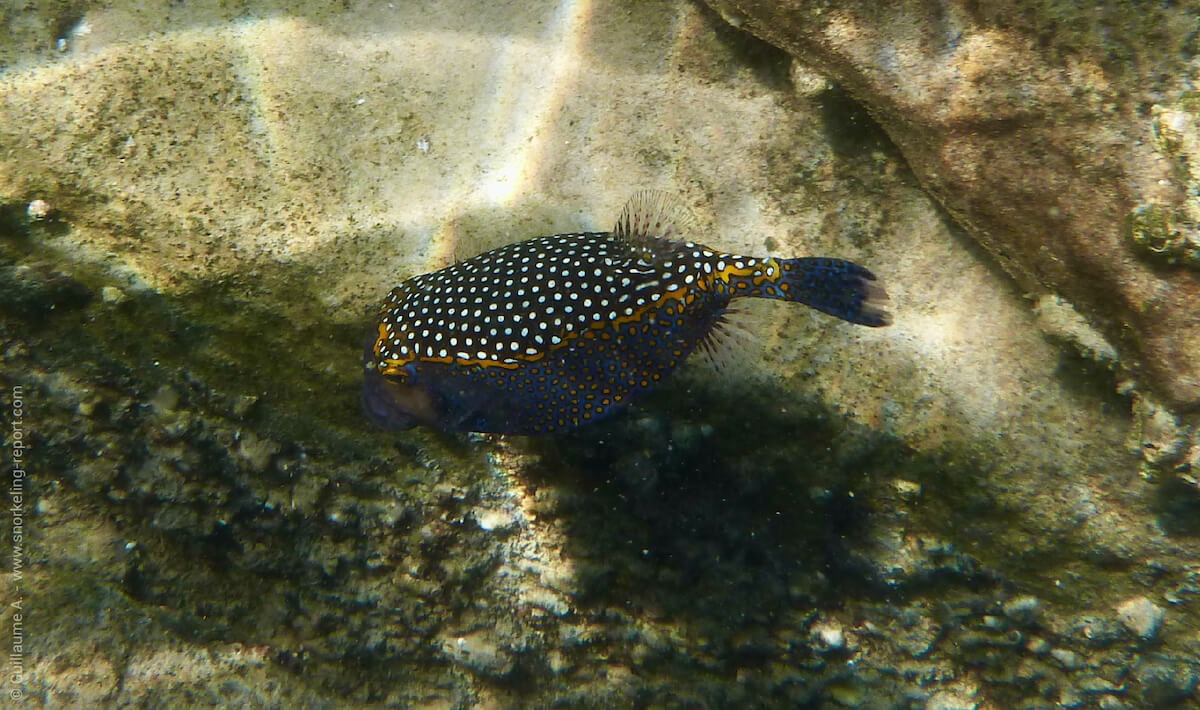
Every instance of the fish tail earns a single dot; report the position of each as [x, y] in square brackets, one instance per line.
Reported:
[835, 286]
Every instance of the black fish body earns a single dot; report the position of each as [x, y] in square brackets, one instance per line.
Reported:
[554, 332]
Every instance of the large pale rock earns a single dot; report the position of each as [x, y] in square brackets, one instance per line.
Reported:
[1029, 122]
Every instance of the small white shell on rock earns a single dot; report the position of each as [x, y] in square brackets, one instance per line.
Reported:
[38, 210]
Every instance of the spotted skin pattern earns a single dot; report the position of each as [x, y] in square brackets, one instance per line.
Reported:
[555, 332]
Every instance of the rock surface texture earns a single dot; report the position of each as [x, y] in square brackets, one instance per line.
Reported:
[1049, 131]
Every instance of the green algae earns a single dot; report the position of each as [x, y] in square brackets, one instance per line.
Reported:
[222, 333]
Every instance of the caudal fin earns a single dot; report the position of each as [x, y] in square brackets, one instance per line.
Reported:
[837, 287]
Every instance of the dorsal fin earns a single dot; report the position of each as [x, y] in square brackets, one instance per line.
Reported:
[652, 217]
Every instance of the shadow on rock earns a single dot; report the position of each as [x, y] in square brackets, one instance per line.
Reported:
[731, 517]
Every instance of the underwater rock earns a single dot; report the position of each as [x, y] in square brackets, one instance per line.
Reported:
[1024, 611]
[1168, 230]
[479, 651]
[1026, 122]
[1141, 616]
[828, 637]
[1068, 658]
[950, 700]
[1164, 685]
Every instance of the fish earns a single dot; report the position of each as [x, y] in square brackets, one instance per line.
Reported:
[555, 332]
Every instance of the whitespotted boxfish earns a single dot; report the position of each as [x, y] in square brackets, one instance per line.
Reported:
[554, 332]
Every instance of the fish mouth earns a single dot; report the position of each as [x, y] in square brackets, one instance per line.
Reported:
[383, 399]
[381, 407]
[396, 402]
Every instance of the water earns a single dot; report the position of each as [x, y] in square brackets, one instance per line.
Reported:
[944, 513]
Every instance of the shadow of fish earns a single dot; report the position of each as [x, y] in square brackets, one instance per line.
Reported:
[554, 332]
